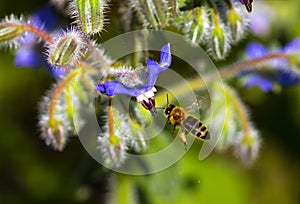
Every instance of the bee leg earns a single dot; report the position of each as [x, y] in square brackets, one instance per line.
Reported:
[174, 127]
[183, 139]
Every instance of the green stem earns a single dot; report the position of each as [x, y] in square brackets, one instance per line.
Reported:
[68, 98]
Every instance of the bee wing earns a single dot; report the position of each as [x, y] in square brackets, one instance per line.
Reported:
[201, 103]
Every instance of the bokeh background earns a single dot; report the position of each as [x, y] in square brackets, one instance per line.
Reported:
[31, 172]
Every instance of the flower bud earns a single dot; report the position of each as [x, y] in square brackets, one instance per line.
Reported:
[154, 13]
[236, 26]
[247, 146]
[89, 15]
[195, 23]
[218, 42]
[56, 137]
[66, 49]
[11, 31]
[54, 121]
[112, 140]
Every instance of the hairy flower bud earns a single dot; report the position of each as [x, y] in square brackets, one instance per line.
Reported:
[56, 137]
[153, 13]
[247, 146]
[11, 31]
[66, 49]
[111, 141]
[218, 42]
[195, 23]
[230, 115]
[220, 39]
[89, 14]
[54, 129]
[236, 24]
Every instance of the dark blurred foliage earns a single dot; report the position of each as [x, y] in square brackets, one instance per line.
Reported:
[31, 172]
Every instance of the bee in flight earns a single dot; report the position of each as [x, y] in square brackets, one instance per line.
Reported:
[187, 123]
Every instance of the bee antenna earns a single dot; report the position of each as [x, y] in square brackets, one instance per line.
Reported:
[167, 99]
[160, 107]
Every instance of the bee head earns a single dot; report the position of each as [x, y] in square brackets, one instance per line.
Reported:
[169, 109]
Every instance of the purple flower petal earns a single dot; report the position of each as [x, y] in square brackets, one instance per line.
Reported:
[153, 71]
[165, 56]
[256, 50]
[28, 57]
[58, 72]
[111, 88]
[257, 80]
[288, 78]
[45, 16]
[293, 46]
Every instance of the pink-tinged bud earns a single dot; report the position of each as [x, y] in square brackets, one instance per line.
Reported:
[56, 137]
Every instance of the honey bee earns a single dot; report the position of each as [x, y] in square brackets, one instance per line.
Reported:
[187, 123]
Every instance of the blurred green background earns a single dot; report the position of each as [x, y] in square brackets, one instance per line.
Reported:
[31, 172]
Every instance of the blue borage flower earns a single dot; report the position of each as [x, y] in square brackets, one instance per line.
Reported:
[145, 93]
[284, 75]
[256, 80]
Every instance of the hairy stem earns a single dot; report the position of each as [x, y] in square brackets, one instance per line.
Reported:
[227, 72]
[59, 90]
[250, 64]
[39, 32]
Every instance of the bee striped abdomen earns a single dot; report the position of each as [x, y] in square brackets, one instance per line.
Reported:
[195, 127]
